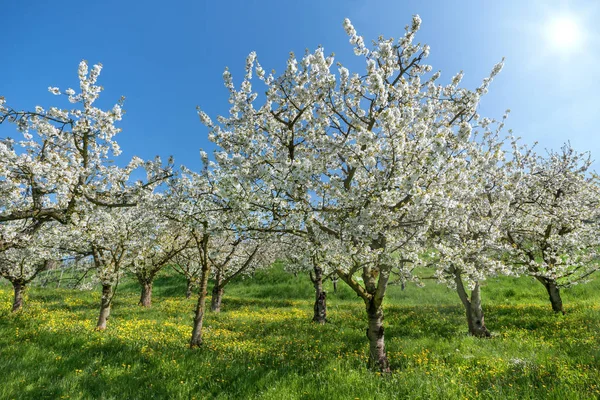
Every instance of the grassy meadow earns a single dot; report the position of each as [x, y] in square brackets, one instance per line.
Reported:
[263, 345]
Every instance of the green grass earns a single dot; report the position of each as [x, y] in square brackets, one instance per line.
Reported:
[263, 345]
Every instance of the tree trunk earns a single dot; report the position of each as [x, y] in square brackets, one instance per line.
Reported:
[475, 316]
[105, 303]
[320, 307]
[377, 355]
[146, 296]
[473, 309]
[335, 282]
[375, 282]
[19, 288]
[217, 296]
[217, 293]
[188, 290]
[553, 293]
[196, 340]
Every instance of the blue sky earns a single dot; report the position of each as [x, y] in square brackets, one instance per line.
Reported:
[168, 57]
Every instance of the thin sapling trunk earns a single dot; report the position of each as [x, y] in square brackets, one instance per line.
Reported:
[196, 340]
[320, 307]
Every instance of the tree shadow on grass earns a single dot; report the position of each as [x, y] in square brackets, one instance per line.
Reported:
[236, 303]
[50, 365]
[449, 321]
[53, 365]
[425, 321]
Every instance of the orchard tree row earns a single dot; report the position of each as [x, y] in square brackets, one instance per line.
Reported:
[371, 177]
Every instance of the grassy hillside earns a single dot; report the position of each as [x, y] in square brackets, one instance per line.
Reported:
[263, 345]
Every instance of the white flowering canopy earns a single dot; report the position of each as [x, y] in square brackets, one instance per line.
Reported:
[61, 170]
[21, 264]
[60, 155]
[467, 236]
[554, 219]
[363, 159]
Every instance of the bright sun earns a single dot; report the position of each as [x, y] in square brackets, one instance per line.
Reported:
[564, 33]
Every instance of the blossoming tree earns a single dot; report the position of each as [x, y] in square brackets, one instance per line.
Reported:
[467, 234]
[304, 254]
[186, 263]
[553, 224]
[195, 203]
[62, 164]
[160, 241]
[364, 158]
[232, 255]
[56, 162]
[110, 237]
[22, 264]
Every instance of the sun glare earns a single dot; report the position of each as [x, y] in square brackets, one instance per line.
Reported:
[564, 33]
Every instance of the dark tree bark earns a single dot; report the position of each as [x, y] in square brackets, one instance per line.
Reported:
[473, 309]
[320, 307]
[19, 288]
[334, 279]
[20, 283]
[146, 295]
[196, 340]
[217, 296]
[188, 290]
[200, 308]
[105, 303]
[553, 293]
